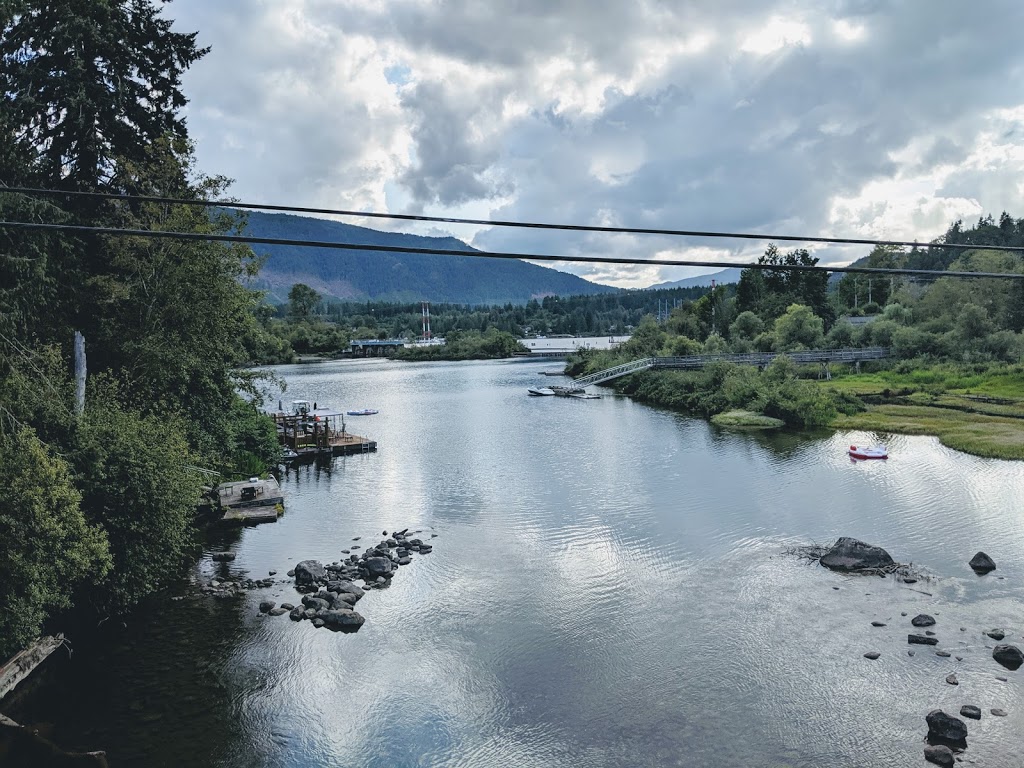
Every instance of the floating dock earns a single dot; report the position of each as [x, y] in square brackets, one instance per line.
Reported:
[312, 432]
[256, 500]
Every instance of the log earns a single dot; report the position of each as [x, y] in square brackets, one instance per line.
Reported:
[22, 664]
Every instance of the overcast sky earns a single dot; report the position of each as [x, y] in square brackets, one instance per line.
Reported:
[858, 118]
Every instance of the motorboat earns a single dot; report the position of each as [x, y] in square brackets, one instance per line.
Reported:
[288, 454]
[364, 412]
[584, 396]
[541, 391]
[864, 452]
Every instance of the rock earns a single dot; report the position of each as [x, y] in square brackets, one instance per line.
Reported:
[929, 633]
[903, 613]
[1000, 678]
[287, 606]
[877, 624]
[982, 563]
[404, 560]
[971, 711]
[297, 614]
[377, 566]
[214, 583]
[848, 555]
[939, 754]
[946, 729]
[391, 543]
[267, 606]
[344, 599]
[356, 538]
[909, 580]
[872, 655]
[277, 611]
[943, 654]
[309, 613]
[318, 622]
[355, 546]
[385, 533]
[223, 557]
[310, 572]
[315, 603]
[996, 634]
[951, 679]
[1009, 656]
[291, 572]
[342, 619]
[271, 573]
[433, 535]
[921, 640]
[426, 549]
[959, 658]
[910, 653]
[346, 551]
[922, 620]
[998, 712]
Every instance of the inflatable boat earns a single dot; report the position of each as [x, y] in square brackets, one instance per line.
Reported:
[874, 452]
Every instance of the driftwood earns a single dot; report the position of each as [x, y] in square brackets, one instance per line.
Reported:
[21, 664]
[22, 747]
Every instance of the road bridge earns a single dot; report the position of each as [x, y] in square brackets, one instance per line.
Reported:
[696, 362]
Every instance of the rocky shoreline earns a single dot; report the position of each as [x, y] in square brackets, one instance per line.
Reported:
[329, 592]
[946, 737]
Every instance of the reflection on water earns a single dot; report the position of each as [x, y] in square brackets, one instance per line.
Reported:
[606, 588]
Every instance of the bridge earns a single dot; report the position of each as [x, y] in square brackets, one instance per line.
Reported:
[696, 362]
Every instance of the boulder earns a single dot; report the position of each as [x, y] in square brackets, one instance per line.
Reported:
[342, 619]
[377, 566]
[277, 611]
[310, 572]
[951, 679]
[315, 603]
[297, 614]
[946, 729]
[1009, 656]
[982, 563]
[939, 754]
[996, 634]
[350, 588]
[852, 555]
[923, 620]
[344, 599]
[287, 606]
[971, 711]
[872, 655]
[267, 606]
[922, 640]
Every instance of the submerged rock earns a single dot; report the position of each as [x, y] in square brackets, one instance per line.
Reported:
[853, 555]
[922, 640]
[982, 563]
[1009, 656]
[946, 729]
[996, 634]
[872, 655]
[923, 620]
[971, 711]
[998, 712]
[951, 679]
[939, 754]
[223, 557]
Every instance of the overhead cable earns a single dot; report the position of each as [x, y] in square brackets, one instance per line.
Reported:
[210, 237]
[515, 224]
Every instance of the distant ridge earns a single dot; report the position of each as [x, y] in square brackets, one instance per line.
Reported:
[723, 276]
[366, 275]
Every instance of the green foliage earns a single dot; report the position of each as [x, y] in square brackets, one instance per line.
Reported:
[132, 470]
[471, 345]
[46, 546]
[768, 292]
[302, 301]
[746, 326]
[798, 328]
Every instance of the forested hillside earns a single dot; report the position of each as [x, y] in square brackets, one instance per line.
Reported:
[381, 276]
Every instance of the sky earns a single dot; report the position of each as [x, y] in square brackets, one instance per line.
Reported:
[843, 118]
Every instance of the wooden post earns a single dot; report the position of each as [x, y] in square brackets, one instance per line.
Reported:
[80, 373]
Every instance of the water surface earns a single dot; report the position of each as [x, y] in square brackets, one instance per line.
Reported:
[606, 588]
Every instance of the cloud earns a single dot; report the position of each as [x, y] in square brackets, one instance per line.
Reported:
[843, 118]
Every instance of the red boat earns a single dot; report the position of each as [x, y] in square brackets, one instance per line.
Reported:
[874, 452]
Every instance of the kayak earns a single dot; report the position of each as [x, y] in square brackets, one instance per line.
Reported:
[863, 452]
[364, 412]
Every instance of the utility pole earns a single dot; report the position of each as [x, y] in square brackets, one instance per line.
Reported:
[80, 372]
[712, 305]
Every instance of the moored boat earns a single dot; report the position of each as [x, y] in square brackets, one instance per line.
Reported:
[363, 412]
[864, 452]
[541, 391]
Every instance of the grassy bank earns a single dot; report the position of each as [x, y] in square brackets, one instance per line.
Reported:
[977, 409]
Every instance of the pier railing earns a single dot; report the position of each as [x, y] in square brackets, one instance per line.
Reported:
[696, 362]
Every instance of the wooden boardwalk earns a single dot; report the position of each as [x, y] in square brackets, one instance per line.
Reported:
[256, 500]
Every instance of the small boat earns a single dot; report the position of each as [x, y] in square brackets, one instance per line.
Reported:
[364, 412]
[541, 391]
[288, 454]
[874, 452]
[584, 396]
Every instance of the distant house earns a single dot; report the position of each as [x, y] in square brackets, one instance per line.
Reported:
[857, 322]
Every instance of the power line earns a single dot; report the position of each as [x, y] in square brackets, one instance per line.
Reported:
[210, 237]
[501, 223]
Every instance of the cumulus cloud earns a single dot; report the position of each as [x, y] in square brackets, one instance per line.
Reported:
[851, 117]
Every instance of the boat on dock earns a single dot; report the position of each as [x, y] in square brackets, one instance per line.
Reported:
[256, 500]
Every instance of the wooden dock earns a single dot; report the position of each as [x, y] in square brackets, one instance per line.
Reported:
[319, 432]
[256, 500]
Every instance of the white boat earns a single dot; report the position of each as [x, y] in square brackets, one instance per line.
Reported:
[541, 391]
[864, 452]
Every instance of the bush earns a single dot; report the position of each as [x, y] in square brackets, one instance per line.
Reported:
[46, 546]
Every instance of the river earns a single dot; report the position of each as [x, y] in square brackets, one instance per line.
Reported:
[607, 587]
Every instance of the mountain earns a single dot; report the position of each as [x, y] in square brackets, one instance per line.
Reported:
[721, 277]
[364, 275]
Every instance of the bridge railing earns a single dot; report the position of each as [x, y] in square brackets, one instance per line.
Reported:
[696, 362]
